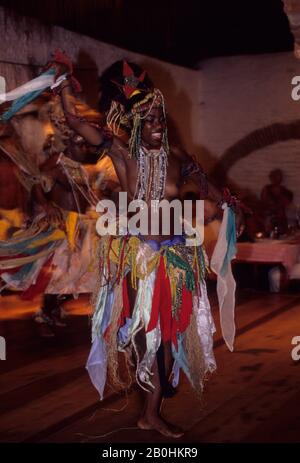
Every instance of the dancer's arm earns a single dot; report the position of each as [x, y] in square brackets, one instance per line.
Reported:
[192, 171]
[64, 84]
[54, 214]
[94, 136]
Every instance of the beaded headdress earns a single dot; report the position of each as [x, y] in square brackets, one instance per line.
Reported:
[140, 100]
[129, 114]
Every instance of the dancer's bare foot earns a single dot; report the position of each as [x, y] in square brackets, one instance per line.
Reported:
[158, 424]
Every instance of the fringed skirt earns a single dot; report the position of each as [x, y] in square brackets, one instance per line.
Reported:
[171, 305]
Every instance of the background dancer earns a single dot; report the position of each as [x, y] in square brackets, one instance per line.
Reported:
[58, 254]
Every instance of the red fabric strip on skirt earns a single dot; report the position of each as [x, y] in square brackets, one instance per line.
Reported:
[126, 304]
[162, 308]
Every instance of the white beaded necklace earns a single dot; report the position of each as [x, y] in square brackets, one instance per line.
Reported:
[152, 174]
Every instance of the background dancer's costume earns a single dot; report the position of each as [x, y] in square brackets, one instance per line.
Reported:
[45, 256]
[52, 258]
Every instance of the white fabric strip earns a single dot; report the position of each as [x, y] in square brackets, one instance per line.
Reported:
[39, 83]
[225, 284]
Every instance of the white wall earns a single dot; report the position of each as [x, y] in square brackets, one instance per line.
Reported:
[245, 93]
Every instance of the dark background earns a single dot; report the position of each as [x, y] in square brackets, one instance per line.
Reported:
[179, 31]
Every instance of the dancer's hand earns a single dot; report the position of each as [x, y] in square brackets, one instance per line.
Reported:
[54, 214]
[61, 63]
[61, 58]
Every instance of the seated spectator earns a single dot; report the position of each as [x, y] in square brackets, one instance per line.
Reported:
[274, 198]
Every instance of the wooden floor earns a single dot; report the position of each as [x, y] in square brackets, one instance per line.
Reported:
[46, 395]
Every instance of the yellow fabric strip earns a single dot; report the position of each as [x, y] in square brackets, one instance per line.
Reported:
[71, 224]
[56, 235]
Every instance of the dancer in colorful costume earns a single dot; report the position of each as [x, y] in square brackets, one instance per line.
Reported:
[53, 253]
[151, 301]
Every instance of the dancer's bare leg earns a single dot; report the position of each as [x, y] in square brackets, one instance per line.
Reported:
[51, 311]
[151, 417]
[44, 316]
